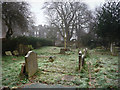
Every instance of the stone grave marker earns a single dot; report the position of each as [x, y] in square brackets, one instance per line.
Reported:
[15, 52]
[62, 51]
[21, 49]
[80, 60]
[8, 53]
[31, 64]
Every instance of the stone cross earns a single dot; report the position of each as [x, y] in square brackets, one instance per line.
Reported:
[31, 64]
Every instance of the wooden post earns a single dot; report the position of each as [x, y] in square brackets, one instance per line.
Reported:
[80, 58]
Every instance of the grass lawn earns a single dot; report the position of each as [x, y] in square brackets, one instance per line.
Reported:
[101, 70]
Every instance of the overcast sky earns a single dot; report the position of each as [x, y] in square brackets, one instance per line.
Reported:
[36, 6]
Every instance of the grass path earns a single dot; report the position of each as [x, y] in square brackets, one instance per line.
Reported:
[103, 71]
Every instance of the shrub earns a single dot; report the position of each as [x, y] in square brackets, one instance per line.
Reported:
[12, 43]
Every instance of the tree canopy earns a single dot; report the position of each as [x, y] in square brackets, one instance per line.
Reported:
[108, 21]
[16, 13]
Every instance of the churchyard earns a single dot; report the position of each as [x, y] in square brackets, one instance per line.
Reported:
[100, 69]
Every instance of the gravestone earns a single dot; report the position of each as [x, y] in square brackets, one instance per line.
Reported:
[31, 64]
[8, 53]
[80, 60]
[62, 51]
[21, 49]
[15, 52]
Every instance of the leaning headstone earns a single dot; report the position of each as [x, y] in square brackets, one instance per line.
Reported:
[8, 53]
[31, 64]
[15, 52]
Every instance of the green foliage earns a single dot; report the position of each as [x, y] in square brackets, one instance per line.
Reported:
[30, 46]
[108, 26]
[88, 40]
[33, 42]
[16, 14]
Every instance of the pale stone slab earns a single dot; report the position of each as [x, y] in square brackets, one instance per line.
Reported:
[8, 53]
[15, 52]
[31, 64]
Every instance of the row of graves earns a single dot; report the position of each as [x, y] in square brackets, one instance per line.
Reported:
[20, 50]
[30, 66]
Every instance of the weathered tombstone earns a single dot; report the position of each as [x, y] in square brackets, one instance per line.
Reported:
[83, 60]
[21, 49]
[85, 52]
[31, 64]
[15, 52]
[62, 51]
[80, 60]
[8, 53]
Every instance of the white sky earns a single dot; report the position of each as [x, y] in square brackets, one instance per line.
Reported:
[36, 6]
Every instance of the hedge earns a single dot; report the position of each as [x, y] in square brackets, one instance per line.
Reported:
[12, 43]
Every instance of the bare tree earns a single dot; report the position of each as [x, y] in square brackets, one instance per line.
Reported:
[68, 17]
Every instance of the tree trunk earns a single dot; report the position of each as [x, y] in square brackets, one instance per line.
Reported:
[9, 32]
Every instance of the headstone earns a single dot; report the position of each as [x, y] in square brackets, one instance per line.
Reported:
[80, 60]
[62, 51]
[8, 53]
[21, 49]
[15, 52]
[31, 64]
